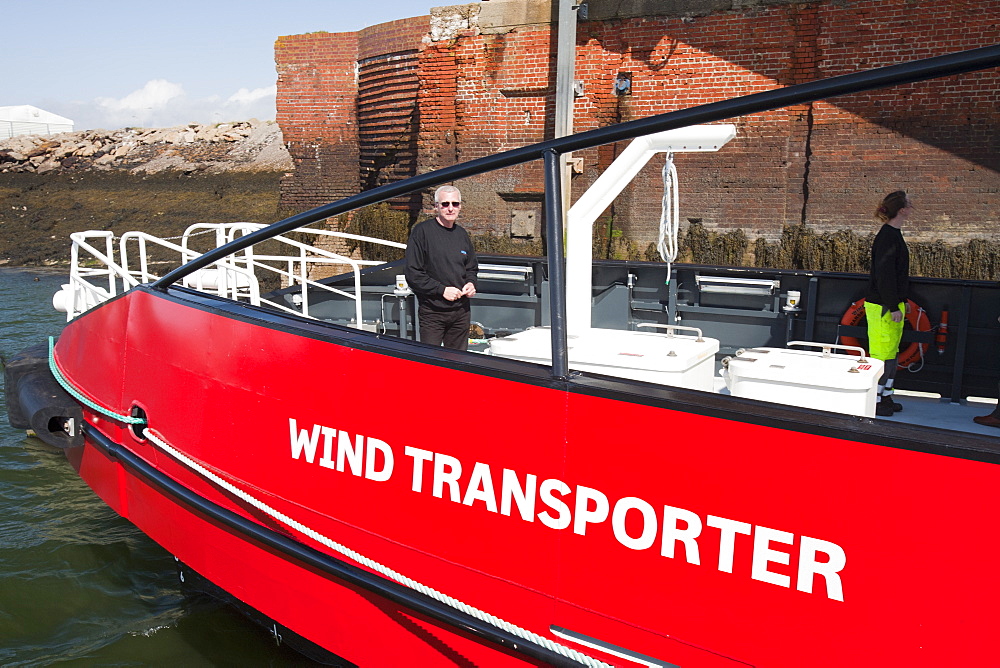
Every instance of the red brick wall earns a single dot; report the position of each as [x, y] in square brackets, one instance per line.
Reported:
[473, 104]
[939, 140]
[388, 82]
[330, 124]
[827, 164]
[316, 112]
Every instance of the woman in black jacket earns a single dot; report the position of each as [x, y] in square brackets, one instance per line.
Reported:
[888, 288]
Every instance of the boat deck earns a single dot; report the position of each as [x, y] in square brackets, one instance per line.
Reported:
[932, 411]
[922, 409]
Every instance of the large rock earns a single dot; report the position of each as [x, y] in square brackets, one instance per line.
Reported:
[43, 149]
[85, 149]
[244, 146]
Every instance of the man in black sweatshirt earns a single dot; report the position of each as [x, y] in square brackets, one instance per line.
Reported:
[441, 268]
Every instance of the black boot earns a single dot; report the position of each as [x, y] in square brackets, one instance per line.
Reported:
[885, 407]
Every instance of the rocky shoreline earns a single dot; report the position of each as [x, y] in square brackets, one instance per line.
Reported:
[252, 146]
[155, 180]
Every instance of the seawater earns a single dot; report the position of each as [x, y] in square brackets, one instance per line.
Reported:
[79, 585]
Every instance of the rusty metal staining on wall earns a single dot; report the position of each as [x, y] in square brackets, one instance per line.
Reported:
[387, 123]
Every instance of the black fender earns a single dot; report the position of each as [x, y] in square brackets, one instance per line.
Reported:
[36, 401]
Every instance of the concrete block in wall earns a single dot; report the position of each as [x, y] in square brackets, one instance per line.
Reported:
[522, 223]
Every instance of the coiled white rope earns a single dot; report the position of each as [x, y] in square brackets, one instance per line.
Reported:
[669, 215]
[374, 565]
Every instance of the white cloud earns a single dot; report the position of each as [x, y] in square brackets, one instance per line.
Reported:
[248, 97]
[156, 94]
[161, 103]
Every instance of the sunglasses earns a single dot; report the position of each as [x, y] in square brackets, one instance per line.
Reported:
[446, 204]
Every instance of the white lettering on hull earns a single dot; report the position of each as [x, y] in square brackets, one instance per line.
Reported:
[635, 523]
[368, 457]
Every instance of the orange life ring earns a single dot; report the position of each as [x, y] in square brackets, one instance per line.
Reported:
[916, 316]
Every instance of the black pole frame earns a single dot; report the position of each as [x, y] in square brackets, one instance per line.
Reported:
[557, 263]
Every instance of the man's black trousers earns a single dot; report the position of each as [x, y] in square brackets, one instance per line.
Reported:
[448, 327]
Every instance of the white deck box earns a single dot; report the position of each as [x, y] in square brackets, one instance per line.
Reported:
[677, 360]
[811, 379]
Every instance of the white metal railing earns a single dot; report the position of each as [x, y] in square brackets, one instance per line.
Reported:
[96, 274]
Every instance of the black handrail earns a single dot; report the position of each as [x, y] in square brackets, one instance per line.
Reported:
[893, 75]
[557, 263]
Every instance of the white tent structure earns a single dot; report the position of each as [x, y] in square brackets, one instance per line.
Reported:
[27, 120]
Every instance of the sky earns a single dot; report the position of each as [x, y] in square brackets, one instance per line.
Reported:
[112, 64]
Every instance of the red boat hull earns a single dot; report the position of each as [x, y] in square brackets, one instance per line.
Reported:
[695, 529]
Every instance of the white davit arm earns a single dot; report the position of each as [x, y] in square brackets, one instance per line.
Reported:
[581, 216]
